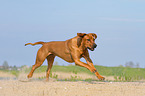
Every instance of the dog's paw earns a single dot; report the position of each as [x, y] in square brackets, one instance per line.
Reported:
[101, 78]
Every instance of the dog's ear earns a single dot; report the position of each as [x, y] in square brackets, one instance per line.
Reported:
[79, 40]
[81, 34]
[94, 35]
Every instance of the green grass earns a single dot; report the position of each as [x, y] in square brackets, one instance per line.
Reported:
[123, 73]
[119, 73]
[13, 72]
[57, 68]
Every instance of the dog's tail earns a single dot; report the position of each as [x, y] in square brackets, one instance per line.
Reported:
[35, 43]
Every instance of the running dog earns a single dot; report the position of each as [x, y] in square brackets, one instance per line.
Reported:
[70, 50]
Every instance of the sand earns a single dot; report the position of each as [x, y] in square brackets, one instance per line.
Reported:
[36, 87]
[67, 88]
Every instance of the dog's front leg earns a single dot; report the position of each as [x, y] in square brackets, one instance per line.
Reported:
[94, 70]
[79, 63]
[76, 57]
[90, 66]
[82, 64]
[89, 61]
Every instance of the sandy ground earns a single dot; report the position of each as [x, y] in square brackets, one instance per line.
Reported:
[66, 88]
[5, 75]
[35, 87]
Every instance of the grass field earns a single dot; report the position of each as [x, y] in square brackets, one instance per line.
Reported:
[119, 73]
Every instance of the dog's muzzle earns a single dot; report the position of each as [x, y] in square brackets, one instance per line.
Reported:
[93, 47]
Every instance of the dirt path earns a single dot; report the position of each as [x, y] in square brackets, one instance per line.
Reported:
[37, 87]
[66, 88]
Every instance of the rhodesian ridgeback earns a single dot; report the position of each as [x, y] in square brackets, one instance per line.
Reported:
[70, 50]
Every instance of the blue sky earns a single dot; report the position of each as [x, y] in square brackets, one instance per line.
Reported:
[119, 24]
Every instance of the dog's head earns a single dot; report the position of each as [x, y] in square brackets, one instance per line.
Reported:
[88, 40]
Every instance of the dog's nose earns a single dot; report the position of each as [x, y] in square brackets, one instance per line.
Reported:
[95, 45]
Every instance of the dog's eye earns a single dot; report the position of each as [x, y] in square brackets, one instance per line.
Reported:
[88, 39]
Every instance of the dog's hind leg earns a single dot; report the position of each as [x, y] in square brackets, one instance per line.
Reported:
[50, 60]
[41, 56]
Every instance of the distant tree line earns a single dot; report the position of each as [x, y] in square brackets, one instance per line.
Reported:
[130, 64]
[5, 66]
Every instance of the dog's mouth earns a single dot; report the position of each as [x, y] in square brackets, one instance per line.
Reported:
[92, 49]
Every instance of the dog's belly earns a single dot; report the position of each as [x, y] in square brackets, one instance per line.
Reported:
[67, 58]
